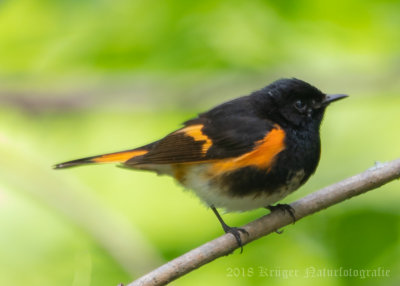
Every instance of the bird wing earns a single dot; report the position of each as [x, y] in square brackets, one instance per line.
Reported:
[228, 142]
[246, 140]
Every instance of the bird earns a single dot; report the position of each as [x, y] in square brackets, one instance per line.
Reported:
[244, 154]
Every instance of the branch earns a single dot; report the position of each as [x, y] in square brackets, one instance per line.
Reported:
[373, 178]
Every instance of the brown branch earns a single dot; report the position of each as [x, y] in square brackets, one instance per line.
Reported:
[373, 178]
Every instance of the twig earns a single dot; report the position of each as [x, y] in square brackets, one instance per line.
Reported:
[373, 178]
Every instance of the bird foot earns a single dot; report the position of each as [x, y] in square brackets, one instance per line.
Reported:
[284, 208]
[235, 231]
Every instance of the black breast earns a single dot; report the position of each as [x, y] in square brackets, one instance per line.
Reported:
[302, 153]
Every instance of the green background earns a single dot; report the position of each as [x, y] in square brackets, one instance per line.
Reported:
[80, 78]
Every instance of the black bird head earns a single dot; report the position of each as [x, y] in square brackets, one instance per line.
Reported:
[294, 103]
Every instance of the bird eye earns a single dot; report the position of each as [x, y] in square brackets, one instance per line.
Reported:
[300, 105]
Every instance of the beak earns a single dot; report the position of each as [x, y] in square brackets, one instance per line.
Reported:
[333, 97]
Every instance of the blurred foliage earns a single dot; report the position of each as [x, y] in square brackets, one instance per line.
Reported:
[57, 37]
[79, 78]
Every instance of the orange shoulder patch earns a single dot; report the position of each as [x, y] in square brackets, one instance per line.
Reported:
[262, 156]
[195, 132]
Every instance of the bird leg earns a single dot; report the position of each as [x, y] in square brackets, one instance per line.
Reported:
[235, 231]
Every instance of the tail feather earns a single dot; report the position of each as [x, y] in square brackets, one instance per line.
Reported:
[117, 157]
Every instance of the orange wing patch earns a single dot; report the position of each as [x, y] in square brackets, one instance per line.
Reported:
[262, 156]
[118, 157]
[195, 132]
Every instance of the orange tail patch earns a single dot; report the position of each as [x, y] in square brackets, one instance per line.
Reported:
[117, 157]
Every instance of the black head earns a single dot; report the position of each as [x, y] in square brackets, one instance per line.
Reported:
[292, 102]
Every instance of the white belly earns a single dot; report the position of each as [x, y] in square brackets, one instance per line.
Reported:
[197, 179]
[213, 196]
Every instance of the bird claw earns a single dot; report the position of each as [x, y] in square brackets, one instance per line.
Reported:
[284, 208]
[235, 231]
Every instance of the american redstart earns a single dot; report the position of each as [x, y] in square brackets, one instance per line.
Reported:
[244, 154]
